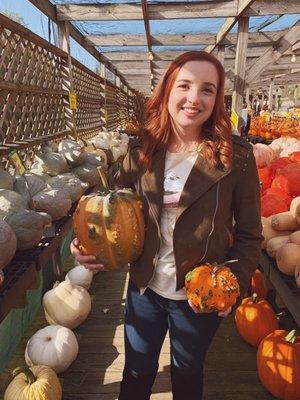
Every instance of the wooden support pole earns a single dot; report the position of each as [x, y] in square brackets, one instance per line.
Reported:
[271, 87]
[103, 96]
[68, 83]
[240, 65]
[247, 96]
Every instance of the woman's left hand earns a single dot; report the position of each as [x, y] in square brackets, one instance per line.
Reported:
[220, 314]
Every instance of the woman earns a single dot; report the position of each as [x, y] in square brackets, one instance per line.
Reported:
[194, 177]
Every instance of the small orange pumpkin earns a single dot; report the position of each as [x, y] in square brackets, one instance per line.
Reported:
[211, 287]
[278, 364]
[255, 319]
[258, 284]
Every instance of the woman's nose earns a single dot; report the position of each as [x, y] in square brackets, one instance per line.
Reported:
[193, 97]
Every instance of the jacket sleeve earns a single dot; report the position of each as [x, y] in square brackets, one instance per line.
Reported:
[248, 228]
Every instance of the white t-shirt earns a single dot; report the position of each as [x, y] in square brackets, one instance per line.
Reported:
[177, 169]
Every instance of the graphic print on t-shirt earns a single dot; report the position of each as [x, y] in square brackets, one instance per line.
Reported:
[173, 185]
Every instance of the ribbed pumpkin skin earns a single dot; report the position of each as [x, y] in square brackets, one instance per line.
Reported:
[110, 227]
[212, 289]
[46, 386]
[255, 320]
[278, 365]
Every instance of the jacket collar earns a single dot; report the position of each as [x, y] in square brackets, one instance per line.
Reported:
[201, 178]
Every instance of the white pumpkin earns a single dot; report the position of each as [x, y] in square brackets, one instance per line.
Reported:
[54, 346]
[10, 202]
[70, 183]
[87, 173]
[80, 276]
[51, 163]
[67, 305]
[71, 150]
[28, 226]
[6, 180]
[28, 186]
[8, 244]
[263, 154]
[55, 202]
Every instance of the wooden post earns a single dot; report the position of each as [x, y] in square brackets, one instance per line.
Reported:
[271, 87]
[68, 84]
[103, 95]
[276, 99]
[247, 96]
[240, 65]
[221, 53]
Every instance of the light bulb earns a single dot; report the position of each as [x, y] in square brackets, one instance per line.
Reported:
[150, 56]
[293, 58]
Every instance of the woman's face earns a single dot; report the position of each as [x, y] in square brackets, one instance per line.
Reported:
[193, 95]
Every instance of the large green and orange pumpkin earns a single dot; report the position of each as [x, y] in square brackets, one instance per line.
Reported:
[278, 364]
[255, 319]
[110, 225]
[211, 287]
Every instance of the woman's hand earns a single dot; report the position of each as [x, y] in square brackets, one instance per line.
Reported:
[87, 261]
[220, 314]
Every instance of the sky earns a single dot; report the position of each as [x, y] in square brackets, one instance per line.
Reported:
[38, 23]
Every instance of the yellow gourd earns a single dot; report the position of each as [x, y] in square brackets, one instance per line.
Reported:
[284, 221]
[35, 383]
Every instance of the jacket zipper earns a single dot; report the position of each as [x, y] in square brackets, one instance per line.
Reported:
[213, 222]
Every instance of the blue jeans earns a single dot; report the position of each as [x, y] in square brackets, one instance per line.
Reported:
[148, 317]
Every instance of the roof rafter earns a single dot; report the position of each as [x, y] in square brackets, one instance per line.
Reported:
[173, 10]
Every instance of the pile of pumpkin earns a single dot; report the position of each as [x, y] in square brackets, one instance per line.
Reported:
[273, 128]
[278, 351]
[279, 173]
[59, 176]
[53, 348]
[113, 143]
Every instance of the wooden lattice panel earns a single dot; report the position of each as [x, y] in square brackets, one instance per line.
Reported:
[88, 87]
[123, 109]
[112, 108]
[31, 94]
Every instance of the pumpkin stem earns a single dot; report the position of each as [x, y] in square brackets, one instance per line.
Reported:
[254, 298]
[291, 336]
[216, 265]
[30, 377]
[102, 177]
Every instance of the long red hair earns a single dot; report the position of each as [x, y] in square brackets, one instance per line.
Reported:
[215, 132]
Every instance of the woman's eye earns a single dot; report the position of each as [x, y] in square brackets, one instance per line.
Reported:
[208, 90]
[183, 86]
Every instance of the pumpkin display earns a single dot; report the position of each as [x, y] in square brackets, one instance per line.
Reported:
[272, 204]
[66, 304]
[287, 257]
[278, 364]
[275, 243]
[10, 202]
[56, 202]
[288, 180]
[50, 163]
[36, 383]
[28, 226]
[8, 245]
[80, 276]
[55, 346]
[268, 232]
[258, 284]
[211, 287]
[6, 180]
[284, 221]
[280, 194]
[29, 185]
[266, 176]
[295, 237]
[70, 183]
[71, 150]
[110, 225]
[255, 319]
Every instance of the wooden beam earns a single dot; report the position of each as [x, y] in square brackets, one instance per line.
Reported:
[255, 38]
[229, 23]
[148, 37]
[272, 55]
[221, 54]
[240, 65]
[172, 10]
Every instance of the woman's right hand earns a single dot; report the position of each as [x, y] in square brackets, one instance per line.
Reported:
[87, 261]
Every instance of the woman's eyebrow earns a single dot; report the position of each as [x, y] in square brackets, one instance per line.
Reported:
[204, 83]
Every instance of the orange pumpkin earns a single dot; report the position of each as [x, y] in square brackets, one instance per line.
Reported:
[265, 177]
[110, 225]
[255, 319]
[278, 364]
[281, 195]
[211, 287]
[271, 204]
[258, 284]
[295, 157]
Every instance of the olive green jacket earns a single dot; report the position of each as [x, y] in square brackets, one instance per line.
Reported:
[210, 201]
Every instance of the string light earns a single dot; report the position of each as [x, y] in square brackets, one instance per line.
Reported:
[293, 58]
[150, 56]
